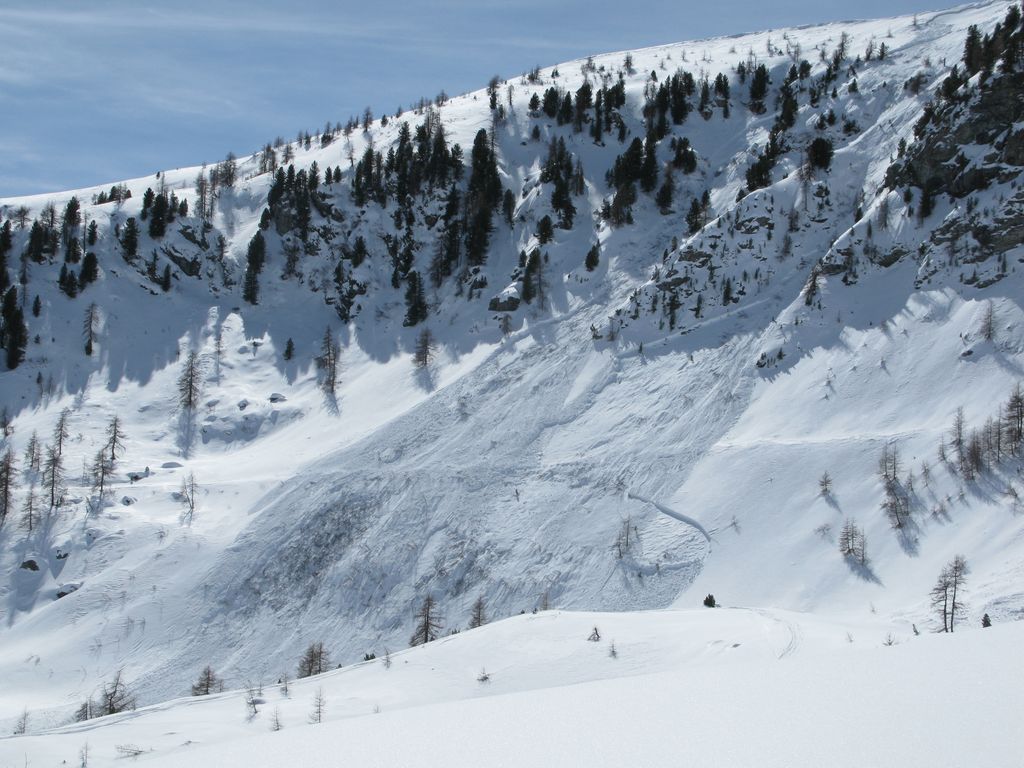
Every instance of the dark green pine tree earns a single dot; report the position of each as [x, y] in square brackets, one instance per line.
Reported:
[508, 206]
[545, 230]
[15, 332]
[529, 291]
[973, 50]
[482, 197]
[415, 300]
[759, 88]
[593, 258]
[695, 217]
[255, 257]
[147, 202]
[158, 217]
[6, 240]
[665, 193]
[37, 238]
[130, 239]
[90, 270]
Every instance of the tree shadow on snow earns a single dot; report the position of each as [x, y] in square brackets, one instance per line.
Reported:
[424, 378]
[863, 571]
[186, 432]
[331, 404]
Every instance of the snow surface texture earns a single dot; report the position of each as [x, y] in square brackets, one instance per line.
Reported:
[642, 469]
[718, 688]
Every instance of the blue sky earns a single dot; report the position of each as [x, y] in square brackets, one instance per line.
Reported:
[93, 93]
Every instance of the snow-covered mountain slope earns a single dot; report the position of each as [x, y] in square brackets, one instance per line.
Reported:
[627, 434]
[722, 687]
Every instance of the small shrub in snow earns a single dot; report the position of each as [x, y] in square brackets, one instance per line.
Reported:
[319, 705]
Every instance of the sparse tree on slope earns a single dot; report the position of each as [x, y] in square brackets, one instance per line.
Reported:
[207, 683]
[479, 615]
[8, 482]
[428, 624]
[61, 431]
[115, 439]
[100, 471]
[314, 661]
[947, 594]
[328, 362]
[53, 477]
[190, 382]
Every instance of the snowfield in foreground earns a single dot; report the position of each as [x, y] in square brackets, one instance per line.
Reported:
[729, 687]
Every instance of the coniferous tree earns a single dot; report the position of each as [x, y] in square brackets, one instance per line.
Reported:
[428, 623]
[190, 382]
[15, 332]
[158, 217]
[695, 217]
[34, 453]
[665, 193]
[30, 509]
[758, 88]
[90, 325]
[415, 300]
[545, 230]
[100, 470]
[483, 195]
[424, 351]
[478, 617]
[61, 431]
[8, 482]
[315, 661]
[328, 362]
[53, 477]
[973, 50]
[115, 439]
[207, 683]
[130, 239]
[947, 594]
[90, 270]
[255, 257]
[820, 152]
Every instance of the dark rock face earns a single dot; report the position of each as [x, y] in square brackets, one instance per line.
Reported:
[504, 303]
[986, 118]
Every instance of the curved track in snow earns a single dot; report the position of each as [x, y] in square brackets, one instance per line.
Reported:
[672, 513]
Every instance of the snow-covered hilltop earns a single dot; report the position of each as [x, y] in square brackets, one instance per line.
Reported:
[607, 336]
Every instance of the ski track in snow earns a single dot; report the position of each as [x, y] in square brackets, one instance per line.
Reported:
[792, 628]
